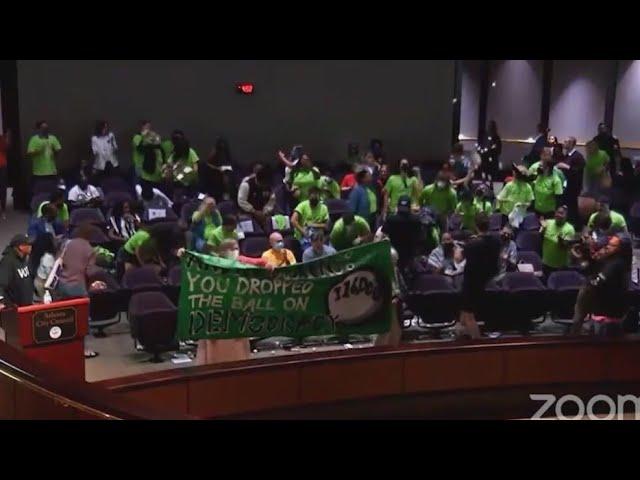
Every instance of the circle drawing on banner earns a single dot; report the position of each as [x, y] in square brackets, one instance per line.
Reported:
[55, 332]
[358, 296]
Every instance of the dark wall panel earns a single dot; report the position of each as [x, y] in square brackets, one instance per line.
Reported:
[321, 104]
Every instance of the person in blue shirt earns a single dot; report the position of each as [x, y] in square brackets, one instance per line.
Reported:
[47, 223]
[318, 248]
[359, 196]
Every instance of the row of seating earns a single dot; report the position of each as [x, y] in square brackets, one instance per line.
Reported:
[513, 304]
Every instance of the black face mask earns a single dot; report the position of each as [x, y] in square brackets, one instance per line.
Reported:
[448, 248]
[314, 202]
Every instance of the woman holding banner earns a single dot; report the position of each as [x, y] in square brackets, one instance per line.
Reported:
[216, 351]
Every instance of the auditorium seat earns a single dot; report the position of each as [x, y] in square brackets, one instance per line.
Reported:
[271, 227]
[37, 200]
[44, 186]
[533, 259]
[113, 198]
[153, 319]
[634, 219]
[96, 236]
[228, 208]
[495, 222]
[293, 244]
[169, 216]
[526, 300]
[115, 184]
[254, 246]
[436, 302]
[140, 279]
[529, 241]
[249, 227]
[87, 215]
[187, 211]
[106, 305]
[530, 223]
[565, 286]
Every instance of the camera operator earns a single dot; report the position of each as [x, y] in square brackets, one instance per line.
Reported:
[608, 270]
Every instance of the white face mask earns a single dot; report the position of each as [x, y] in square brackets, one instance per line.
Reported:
[278, 245]
[441, 184]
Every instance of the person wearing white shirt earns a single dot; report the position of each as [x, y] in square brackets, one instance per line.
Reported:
[84, 194]
[104, 147]
[157, 194]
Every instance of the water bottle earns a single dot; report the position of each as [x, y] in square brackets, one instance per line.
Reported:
[47, 297]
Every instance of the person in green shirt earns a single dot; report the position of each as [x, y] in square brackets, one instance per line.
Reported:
[43, 149]
[596, 170]
[152, 161]
[556, 234]
[350, 230]
[468, 209]
[182, 164]
[547, 188]
[618, 223]
[130, 254]
[309, 214]
[441, 198]
[304, 177]
[226, 231]
[546, 157]
[518, 192]
[401, 183]
[204, 221]
[329, 188]
[481, 202]
[57, 199]
[137, 152]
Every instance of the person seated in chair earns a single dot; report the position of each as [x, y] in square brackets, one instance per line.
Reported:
[508, 251]
[278, 256]
[349, 231]
[47, 223]
[57, 199]
[122, 222]
[226, 231]
[256, 197]
[447, 258]
[85, 195]
[318, 248]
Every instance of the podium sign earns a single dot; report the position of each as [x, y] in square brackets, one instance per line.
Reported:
[52, 334]
[51, 326]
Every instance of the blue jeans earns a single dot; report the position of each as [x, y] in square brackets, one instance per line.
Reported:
[70, 290]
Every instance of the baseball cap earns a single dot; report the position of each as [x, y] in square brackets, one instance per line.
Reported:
[404, 204]
[20, 239]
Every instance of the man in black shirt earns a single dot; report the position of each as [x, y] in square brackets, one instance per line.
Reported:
[16, 278]
[606, 291]
[405, 232]
[482, 254]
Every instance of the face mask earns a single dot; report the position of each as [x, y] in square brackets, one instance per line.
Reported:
[313, 202]
[279, 245]
[441, 184]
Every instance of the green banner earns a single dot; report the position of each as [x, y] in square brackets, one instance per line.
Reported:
[345, 293]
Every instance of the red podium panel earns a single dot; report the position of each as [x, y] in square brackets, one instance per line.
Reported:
[52, 334]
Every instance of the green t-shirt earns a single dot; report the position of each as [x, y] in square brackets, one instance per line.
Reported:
[343, 237]
[553, 255]
[184, 170]
[137, 157]
[43, 154]
[545, 189]
[595, 162]
[330, 185]
[514, 192]
[373, 200]
[533, 170]
[136, 240]
[617, 221]
[167, 147]
[210, 222]
[308, 215]
[219, 235]
[468, 212]
[63, 213]
[303, 180]
[396, 187]
[483, 205]
[441, 200]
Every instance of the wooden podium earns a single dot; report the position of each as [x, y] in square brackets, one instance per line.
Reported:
[52, 334]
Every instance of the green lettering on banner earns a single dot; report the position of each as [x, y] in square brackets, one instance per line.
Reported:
[346, 293]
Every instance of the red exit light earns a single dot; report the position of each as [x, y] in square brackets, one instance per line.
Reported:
[244, 88]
